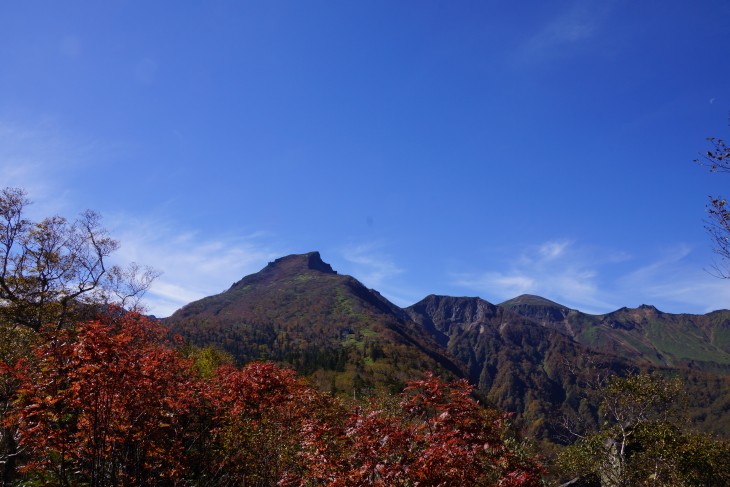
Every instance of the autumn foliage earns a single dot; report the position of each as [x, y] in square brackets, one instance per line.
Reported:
[105, 404]
[256, 424]
[435, 435]
[115, 402]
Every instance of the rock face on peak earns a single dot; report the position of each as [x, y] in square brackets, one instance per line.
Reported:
[291, 265]
[441, 315]
[301, 262]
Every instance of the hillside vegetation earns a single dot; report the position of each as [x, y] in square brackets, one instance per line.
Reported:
[528, 356]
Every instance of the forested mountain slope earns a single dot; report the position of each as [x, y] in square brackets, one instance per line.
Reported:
[529, 355]
[298, 311]
[644, 334]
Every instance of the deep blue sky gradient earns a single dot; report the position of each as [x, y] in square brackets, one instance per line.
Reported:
[469, 148]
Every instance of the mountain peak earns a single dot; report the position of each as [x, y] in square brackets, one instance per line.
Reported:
[643, 309]
[301, 262]
[288, 267]
[648, 307]
[531, 300]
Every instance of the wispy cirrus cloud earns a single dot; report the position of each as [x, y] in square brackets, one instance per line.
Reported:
[677, 282]
[666, 261]
[556, 269]
[372, 265]
[29, 157]
[553, 250]
[598, 280]
[568, 29]
[42, 158]
[194, 265]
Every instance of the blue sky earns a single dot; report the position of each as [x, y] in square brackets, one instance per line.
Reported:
[470, 148]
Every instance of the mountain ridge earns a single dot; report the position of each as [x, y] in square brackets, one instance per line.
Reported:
[644, 334]
[521, 355]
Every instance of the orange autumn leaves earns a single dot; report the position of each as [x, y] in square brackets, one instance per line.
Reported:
[113, 402]
[105, 403]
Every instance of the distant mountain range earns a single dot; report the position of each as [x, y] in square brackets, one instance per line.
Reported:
[644, 334]
[527, 355]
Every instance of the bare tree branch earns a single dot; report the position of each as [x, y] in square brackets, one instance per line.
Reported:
[53, 267]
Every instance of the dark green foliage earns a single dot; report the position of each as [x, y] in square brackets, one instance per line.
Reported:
[643, 439]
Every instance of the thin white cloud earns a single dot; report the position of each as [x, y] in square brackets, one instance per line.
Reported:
[674, 283]
[575, 25]
[27, 156]
[567, 29]
[502, 285]
[698, 291]
[553, 250]
[166, 297]
[41, 158]
[596, 281]
[556, 269]
[372, 266]
[193, 265]
[516, 283]
[660, 267]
